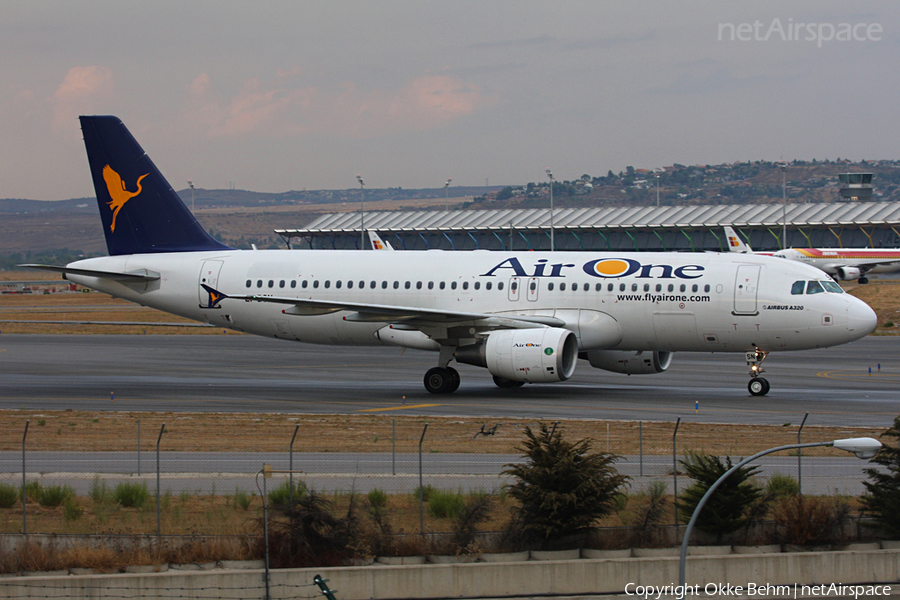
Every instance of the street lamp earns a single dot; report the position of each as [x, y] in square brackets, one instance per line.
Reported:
[552, 241]
[657, 190]
[446, 195]
[863, 448]
[362, 216]
[783, 208]
[191, 184]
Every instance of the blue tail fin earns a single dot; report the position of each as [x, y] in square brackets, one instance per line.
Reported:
[141, 213]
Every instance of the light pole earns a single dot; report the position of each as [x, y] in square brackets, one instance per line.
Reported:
[447, 195]
[362, 216]
[191, 184]
[783, 208]
[864, 448]
[552, 241]
[657, 190]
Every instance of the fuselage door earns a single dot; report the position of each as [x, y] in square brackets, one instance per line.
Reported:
[209, 275]
[514, 283]
[533, 287]
[746, 286]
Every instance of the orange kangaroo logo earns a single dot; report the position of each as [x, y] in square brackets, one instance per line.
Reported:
[117, 191]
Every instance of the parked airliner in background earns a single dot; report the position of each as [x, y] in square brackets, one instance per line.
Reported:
[841, 263]
[525, 316]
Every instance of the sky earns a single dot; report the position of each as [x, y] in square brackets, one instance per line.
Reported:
[272, 96]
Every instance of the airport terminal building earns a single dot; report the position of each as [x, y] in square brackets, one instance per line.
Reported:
[666, 228]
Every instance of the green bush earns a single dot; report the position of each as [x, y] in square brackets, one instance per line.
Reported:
[9, 495]
[99, 491]
[131, 495]
[55, 495]
[242, 499]
[446, 505]
[33, 490]
[782, 486]
[71, 510]
[377, 498]
[281, 495]
[426, 491]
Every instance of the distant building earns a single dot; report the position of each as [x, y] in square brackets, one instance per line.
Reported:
[856, 187]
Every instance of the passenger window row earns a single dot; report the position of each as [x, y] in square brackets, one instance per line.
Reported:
[551, 286]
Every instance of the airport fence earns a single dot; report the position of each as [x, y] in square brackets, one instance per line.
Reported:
[130, 473]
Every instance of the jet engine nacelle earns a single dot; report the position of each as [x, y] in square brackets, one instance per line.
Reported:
[848, 273]
[540, 355]
[630, 363]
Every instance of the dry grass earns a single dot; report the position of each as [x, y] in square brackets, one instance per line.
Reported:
[75, 430]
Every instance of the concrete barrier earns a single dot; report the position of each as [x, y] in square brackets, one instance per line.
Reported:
[478, 580]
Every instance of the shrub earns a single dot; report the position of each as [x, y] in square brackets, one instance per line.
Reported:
[561, 488]
[99, 491]
[803, 520]
[281, 495]
[377, 498]
[882, 497]
[782, 486]
[71, 510]
[33, 490]
[131, 495]
[426, 491]
[242, 499]
[734, 502]
[9, 495]
[445, 505]
[647, 512]
[55, 495]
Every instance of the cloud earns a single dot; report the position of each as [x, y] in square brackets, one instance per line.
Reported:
[80, 92]
[279, 109]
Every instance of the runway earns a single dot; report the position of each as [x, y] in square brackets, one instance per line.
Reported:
[210, 373]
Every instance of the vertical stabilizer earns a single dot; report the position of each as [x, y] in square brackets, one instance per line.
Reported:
[735, 243]
[141, 213]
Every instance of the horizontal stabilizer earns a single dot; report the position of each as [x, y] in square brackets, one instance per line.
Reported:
[139, 276]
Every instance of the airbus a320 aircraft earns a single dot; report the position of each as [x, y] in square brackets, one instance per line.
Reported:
[841, 263]
[525, 316]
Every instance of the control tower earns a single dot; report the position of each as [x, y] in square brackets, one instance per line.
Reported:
[856, 187]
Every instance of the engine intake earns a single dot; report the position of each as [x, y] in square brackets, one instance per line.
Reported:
[541, 355]
[848, 273]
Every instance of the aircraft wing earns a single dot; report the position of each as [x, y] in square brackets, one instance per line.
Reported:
[138, 276]
[384, 313]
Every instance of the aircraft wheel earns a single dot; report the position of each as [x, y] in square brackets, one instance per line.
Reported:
[454, 380]
[438, 380]
[863, 280]
[758, 386]
[504, 383]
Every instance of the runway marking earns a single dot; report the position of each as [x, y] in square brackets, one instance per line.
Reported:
[398, 407]
[856, 375]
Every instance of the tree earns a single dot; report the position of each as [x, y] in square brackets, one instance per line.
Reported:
[732, 504]
[561, 488]
[882, 497]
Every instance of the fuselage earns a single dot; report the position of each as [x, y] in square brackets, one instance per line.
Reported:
[626, 301]
[830, 260]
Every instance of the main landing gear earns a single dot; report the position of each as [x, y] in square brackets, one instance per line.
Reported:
[442, 380]
[758, 386]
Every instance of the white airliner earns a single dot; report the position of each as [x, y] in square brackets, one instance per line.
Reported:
[525, 316]
[841, 263]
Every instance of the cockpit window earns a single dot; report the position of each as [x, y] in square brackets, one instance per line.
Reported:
[832, 287]
[814, 287]
[797, 288]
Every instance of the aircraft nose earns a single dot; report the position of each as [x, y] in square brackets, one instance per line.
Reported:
[861, 319]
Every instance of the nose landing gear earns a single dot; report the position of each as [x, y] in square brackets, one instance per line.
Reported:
[758, 386]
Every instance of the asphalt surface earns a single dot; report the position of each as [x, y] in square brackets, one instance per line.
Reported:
[212, 373]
